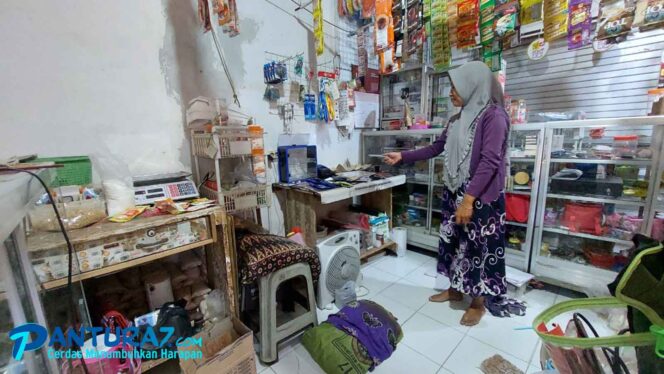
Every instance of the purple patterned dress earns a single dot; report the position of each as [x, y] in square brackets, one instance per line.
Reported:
[473, 256]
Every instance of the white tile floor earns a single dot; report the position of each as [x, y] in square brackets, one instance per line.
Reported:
[434, 341]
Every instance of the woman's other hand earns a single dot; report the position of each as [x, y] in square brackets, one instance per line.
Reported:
[392, 158]
[464, 211]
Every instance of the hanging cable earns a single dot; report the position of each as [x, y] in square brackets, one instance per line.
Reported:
[303, 7]
[309, 25]
[222, 57]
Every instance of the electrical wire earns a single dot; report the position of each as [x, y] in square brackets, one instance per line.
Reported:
[70, 248]
[303, 22]
[324, 20]
[222, 57]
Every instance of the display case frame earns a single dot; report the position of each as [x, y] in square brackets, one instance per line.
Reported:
[574, 275]
[428, 237]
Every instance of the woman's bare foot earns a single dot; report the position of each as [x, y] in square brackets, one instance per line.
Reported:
[474, 312]
[447, 295]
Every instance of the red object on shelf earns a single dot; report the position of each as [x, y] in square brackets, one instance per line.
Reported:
[626, 137]
[600, 259]
[517, 207]
[585, 218]
[211, 185]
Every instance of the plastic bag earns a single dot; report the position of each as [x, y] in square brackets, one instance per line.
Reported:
[213, 306]
[116, 182]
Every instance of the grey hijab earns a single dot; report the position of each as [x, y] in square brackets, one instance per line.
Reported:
[478, 88]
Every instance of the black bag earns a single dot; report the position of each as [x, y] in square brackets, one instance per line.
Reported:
[174, 315]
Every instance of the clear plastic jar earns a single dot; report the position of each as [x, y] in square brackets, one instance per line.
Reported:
[655, 98]
[625, 146]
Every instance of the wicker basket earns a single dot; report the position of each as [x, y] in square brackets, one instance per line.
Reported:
[224, 144]
[240, 198]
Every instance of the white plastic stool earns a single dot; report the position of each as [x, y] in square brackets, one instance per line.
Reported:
[271, 334]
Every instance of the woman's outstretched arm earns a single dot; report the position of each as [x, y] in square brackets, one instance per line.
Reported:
[427, 152]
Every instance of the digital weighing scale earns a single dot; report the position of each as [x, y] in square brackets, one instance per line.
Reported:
[152, 188]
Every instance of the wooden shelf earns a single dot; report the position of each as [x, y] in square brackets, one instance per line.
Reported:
[126, 265]
[388, 245]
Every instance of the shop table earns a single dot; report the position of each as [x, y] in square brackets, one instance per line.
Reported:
[306, 208]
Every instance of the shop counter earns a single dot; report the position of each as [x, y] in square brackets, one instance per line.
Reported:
[306, 208]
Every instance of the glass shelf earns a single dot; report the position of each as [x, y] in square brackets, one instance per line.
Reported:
[633, 162]
[598, 199]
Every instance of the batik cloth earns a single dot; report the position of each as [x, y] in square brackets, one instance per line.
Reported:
[374, 327]
[472, 256]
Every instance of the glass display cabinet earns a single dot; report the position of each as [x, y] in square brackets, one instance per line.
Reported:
[19, 301]
[408, 85]
[521, 186]
[417, 203]
[599, 183]
[440, 108]
[412, 202]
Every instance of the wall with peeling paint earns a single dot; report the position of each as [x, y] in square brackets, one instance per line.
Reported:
[100, 77]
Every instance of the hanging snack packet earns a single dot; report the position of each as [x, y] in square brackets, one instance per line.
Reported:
[467, 10]
[555, 19]
[368, 8]
[468, 16]
[614, 23]
[506, 19]
[318, 27]
[580, 24]
[452, 20]
[487, 15]
[383, 26]
[531, 11]
[649, 14]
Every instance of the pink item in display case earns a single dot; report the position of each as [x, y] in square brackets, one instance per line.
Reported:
[658, 228]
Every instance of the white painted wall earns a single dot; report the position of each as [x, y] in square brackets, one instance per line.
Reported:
[95, 77]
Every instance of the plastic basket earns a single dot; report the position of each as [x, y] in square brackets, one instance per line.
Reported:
[77, 170]
[223, 144]
[240, 198]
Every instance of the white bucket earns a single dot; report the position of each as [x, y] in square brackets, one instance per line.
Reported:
[400, 236]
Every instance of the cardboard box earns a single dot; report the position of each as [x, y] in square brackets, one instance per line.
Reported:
[227, 347]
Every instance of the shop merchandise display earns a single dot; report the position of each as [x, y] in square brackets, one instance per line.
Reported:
[580, 25]
[318, 27]
[51, 263]
[531, 11]
[555, 19]
[384, 35]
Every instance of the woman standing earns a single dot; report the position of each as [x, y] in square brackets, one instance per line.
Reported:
[471, 251]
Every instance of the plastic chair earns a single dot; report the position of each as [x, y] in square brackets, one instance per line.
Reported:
[270, 334]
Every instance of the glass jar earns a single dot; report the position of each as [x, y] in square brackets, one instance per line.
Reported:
[625, 146]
